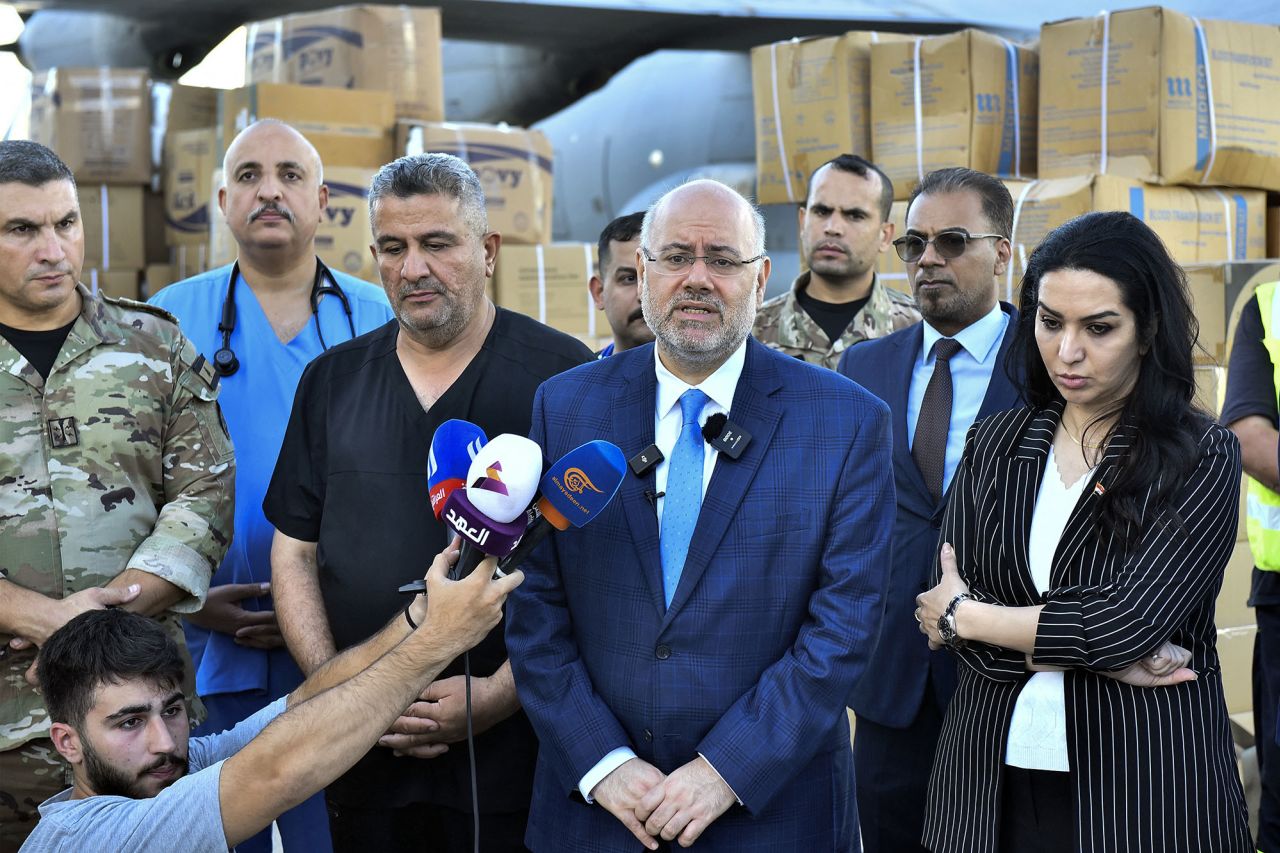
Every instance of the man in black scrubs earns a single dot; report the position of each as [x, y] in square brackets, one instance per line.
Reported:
[353, 519]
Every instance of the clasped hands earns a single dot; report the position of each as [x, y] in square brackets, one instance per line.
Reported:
[651, 805]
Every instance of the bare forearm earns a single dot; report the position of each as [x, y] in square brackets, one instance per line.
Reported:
[24, 612]
[1007, 627]
[157, 595]
[295, 586]
[358, 658]
[503, 701]
[1258, 443]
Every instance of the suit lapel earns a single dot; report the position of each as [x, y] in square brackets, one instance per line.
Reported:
[1081, 528]
[908, 477]
[633, 407]
[1016, 483]
[758, 415]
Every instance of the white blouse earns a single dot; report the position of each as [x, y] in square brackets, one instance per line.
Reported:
[1038, 732]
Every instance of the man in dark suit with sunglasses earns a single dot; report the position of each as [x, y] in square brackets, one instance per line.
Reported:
[938, 376]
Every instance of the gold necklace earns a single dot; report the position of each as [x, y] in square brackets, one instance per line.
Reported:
[1082, 445]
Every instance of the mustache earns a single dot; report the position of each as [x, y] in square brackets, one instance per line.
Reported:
[422, 285]
[271, 207]
[164, 761]
[699, 298]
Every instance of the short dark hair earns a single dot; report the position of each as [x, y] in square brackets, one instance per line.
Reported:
[99, 647]
[997, 204]
[32, 164]
[1160, 411]
[620, 230]
[855, 165]
[432, 174]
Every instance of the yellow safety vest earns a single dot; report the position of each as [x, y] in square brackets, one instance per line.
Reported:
[1263, 505]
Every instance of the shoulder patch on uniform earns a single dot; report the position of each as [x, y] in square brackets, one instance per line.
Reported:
[198, 364]
[135, 305]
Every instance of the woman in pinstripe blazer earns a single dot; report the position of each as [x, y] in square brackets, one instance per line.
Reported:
[1087, 539]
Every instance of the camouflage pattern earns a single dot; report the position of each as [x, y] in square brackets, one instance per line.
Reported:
[783, 325]
[119, 460]
[29, 775]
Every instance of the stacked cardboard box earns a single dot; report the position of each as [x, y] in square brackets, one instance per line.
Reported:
[396, 49]
[812, 102]
[965, 99]
[514, 166]
[549, 283]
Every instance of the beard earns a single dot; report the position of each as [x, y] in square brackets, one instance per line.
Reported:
[446, 319]
[681, 339]
[108, 780]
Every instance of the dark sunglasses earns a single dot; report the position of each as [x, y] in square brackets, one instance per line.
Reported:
[948, 244]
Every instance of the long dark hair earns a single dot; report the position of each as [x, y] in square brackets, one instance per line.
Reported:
[1159, 414]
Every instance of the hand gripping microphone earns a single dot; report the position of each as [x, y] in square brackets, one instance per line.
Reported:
[453, 447]
[489, 512]
[575, 490]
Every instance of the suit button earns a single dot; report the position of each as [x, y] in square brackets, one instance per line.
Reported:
[648, 735]
[663, 652]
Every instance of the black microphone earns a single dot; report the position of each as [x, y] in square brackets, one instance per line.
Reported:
[726, 436]
[652, 497]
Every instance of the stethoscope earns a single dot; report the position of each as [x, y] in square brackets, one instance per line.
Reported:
[225, 361]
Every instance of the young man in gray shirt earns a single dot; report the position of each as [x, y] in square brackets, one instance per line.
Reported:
[112, 683]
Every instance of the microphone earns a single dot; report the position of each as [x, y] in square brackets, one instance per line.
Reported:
[726, 436]
[489, 512]
[453, 446]
[574, 491]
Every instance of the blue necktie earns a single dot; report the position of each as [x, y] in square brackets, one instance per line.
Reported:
[684, 492]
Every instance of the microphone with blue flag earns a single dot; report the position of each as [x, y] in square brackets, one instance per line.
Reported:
[453, 448]
[574, 491]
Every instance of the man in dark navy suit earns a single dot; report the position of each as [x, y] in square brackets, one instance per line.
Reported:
[686, 658]
[938, 376]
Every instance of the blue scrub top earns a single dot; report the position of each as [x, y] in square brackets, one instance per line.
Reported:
[256, 402]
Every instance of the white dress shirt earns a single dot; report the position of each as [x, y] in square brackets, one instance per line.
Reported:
[1038, 731]
[667, 424]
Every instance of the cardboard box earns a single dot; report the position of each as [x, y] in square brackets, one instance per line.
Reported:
[190, 158]
[513, 164]
[343, 239]
[113, 282]
[549, 284]
[186, 261]
[964, 99]
[113, 220]
[1199, 225]
[348, 127]
[1235, 652]
[1217, 291]
[1232, 609]
[156, 277]
[1273, 229]
[1211, 383]
[391, 48]
[1185, 101]
[97, 119]
[812, 103]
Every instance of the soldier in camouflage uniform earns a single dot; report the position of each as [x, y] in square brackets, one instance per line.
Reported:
[116, 472]
[844, 226]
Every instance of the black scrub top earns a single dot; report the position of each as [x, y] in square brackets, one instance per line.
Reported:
[352, 477]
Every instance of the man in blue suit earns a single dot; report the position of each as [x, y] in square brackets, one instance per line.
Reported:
[686, 658]
[938, 377]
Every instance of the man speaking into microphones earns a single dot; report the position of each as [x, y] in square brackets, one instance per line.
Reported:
[352, 503]
[686, 657]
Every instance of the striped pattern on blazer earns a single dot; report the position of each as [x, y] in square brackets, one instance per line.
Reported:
[1152, 769]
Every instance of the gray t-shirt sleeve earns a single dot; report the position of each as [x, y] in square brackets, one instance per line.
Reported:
[204, 751]
[185, 816]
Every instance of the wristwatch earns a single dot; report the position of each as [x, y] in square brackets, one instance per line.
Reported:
[947, 622]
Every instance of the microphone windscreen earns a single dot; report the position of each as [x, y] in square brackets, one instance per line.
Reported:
[503, 477]
[583, 481]
[714, 426]
[453, 446]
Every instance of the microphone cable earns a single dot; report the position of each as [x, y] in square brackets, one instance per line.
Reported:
[471, 756]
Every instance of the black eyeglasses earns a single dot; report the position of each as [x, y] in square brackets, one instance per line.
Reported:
[678, 262]
[948, 244]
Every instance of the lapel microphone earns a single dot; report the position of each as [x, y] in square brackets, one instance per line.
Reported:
[645, 461]
[726, 436]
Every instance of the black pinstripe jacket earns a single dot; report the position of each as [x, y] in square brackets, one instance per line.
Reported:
[1152, 769]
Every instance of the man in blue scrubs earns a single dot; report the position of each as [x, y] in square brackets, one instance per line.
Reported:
[286, 312]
